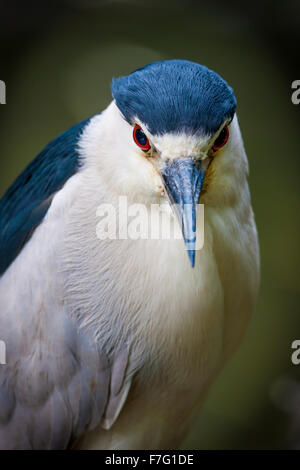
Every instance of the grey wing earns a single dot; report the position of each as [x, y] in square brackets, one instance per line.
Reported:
[54, 389]
[57, 383]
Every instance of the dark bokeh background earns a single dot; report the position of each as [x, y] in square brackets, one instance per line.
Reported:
[57, 59]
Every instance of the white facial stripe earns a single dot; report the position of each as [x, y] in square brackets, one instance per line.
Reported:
[172, 146]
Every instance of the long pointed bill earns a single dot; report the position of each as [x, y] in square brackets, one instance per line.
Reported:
[183, 180]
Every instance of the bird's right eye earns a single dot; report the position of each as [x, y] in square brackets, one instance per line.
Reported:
[221, 140]
[140, 138]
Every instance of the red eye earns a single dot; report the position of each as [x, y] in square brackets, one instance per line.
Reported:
[221, 139]
[140, 138]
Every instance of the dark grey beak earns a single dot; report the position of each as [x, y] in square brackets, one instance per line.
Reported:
[183, 180]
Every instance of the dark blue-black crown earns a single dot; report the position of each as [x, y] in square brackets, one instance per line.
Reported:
[174, 96]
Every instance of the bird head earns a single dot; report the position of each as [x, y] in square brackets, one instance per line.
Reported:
[171, 133]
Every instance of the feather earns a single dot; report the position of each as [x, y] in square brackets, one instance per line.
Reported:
[27, 201]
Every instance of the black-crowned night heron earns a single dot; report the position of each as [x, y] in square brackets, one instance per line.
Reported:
[112, 342]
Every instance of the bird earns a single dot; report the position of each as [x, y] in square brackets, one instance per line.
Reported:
[114, 342]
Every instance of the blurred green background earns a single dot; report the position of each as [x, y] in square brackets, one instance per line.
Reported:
[58, 58]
